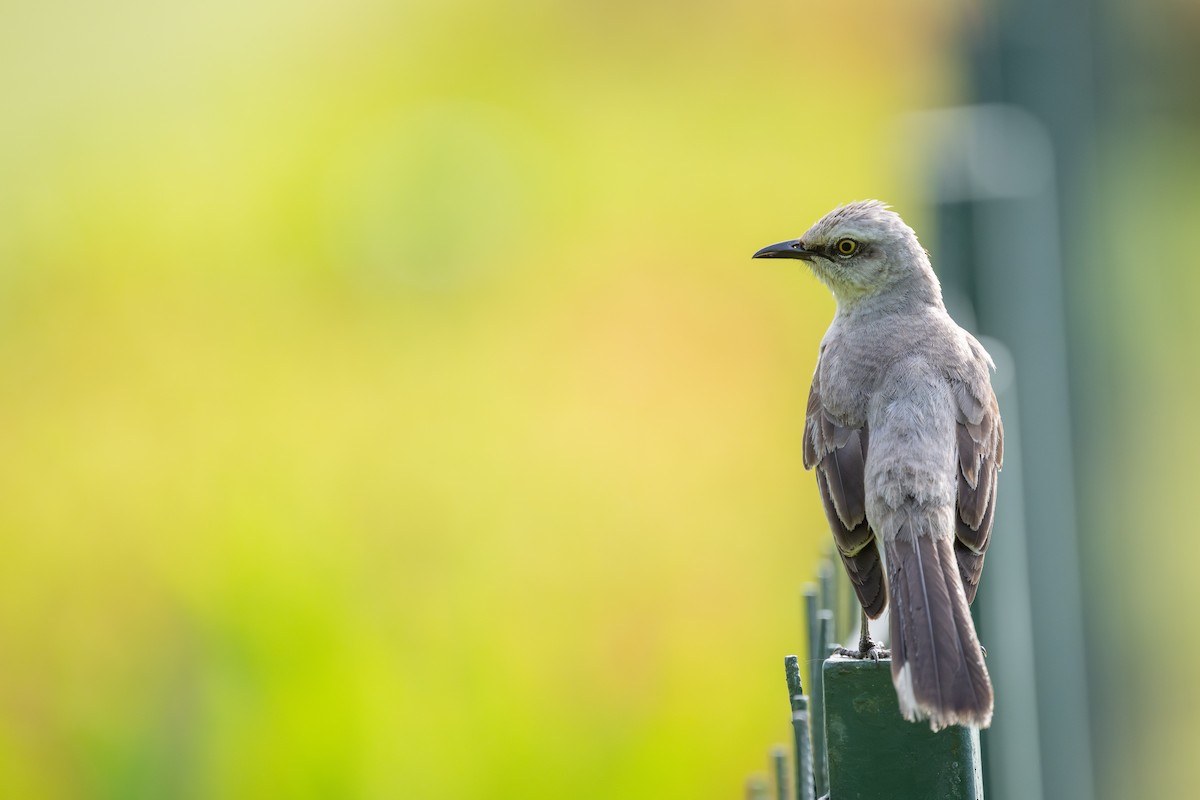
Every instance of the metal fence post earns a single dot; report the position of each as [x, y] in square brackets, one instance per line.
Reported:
[802, 744]
[875, 754]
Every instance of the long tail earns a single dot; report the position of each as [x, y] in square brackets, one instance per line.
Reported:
[937, 663]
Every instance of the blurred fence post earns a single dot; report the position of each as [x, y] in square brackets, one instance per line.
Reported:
[995, 170]
[779, 770]
[756, 788]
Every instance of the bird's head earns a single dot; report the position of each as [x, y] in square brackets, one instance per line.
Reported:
[861, 250]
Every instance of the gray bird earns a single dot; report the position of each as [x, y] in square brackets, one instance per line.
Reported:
[904, 431]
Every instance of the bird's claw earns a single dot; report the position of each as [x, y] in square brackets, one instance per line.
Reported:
[868, 649]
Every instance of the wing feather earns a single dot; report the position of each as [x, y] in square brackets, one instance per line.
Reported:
[838, 452]
[980, 438]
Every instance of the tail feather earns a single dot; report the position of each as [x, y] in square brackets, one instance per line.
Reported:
[937, 663]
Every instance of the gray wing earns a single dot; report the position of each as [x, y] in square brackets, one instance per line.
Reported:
[980, 457]
[839, 454]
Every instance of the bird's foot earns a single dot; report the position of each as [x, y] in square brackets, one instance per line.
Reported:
[867, 648]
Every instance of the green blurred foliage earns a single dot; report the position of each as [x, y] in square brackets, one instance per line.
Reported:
[389, 405]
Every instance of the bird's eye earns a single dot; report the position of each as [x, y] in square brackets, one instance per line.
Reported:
[846, 247]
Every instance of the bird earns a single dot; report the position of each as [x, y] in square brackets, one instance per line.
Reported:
[903, 431]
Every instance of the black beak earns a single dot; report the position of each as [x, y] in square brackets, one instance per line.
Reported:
[789, 249]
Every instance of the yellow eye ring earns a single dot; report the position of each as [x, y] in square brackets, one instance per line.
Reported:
[846, 247]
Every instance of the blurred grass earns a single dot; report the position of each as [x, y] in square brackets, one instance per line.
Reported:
[389, 405]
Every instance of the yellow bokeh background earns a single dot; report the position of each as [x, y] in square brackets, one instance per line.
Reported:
[389, 406]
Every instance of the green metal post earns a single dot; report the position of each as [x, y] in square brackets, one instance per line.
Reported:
[820, 768]
[875, 754]
[812, 605]
[779, 767]
[828, 593]
[756, 788]
[846, 613]
[802, 745]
